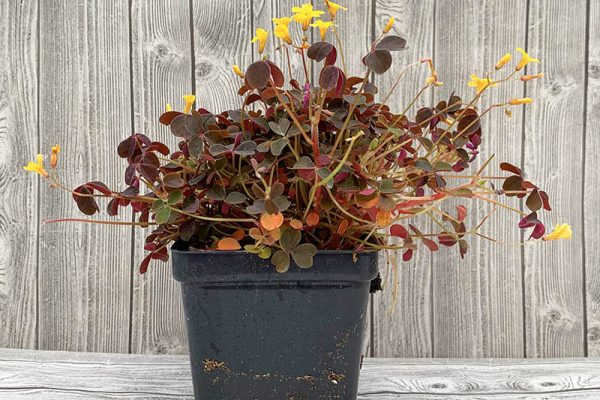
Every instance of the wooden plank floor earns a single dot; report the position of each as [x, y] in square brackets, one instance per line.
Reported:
[27, 374]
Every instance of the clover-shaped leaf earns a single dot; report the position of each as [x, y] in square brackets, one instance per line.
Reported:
[391, 43]
[303, 254]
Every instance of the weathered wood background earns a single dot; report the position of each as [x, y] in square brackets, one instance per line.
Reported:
[86, 73]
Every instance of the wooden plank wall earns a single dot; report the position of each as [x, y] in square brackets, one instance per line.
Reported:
[85, 74]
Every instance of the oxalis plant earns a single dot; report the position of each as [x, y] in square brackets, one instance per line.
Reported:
[317, 165]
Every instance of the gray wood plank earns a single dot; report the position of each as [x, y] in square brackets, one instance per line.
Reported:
[403, 311]
[553, 154]
[478, 301]
[591, 188]
[219, 45]
[49, 375]
[162, 73]
[18, 143]
[84, 95]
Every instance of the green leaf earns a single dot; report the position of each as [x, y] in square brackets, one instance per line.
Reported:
[216, 193]
[386, 186]
[304, 163]
[158, 204]
[281, 261]
[289, 238]
[246, 148]
[282, 203]
[303, 255]
[374, 143]
[424, 164]
[217, 149]
[395, 132]
[278, 145]
[174, 197]
[162, 216]
[173, 180]
[264, 253]
[195, 146]
[235, 198]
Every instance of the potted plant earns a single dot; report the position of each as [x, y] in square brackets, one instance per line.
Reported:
[276, 211]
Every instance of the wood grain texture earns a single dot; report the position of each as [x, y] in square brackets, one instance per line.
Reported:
[50, 375]
[18, 143]
[553, 155]
[84, 101]
[162, 73]
[219, 45]
[263, 13]
[591, 188]
[403, 311]
[478, 300]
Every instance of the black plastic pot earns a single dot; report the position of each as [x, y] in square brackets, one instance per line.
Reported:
[257, 334]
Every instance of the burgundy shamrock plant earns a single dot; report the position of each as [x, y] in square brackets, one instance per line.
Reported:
[307, 166]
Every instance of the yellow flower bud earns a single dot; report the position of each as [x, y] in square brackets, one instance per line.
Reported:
[236, 70]
[189, 102]
[168, 108]
[54, 156]
[522, 100]
[526, 78]
[502, 62]
[389, 25]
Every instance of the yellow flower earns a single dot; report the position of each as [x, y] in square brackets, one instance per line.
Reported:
[333, 8]
[236, 70]
[389, 25]
[480, 83]
[168, 108]
[54, 156]
[37, 166]
[282, 21]
[522, 100]
[281, 29]
[323, 26]
[526, 78]
[525, 59]
[189, 101]
[502, 61]
[304, 15]
[562, 231]
[261, 37]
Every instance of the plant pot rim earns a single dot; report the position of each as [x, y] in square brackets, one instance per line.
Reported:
[239, 267]
[234, 252]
